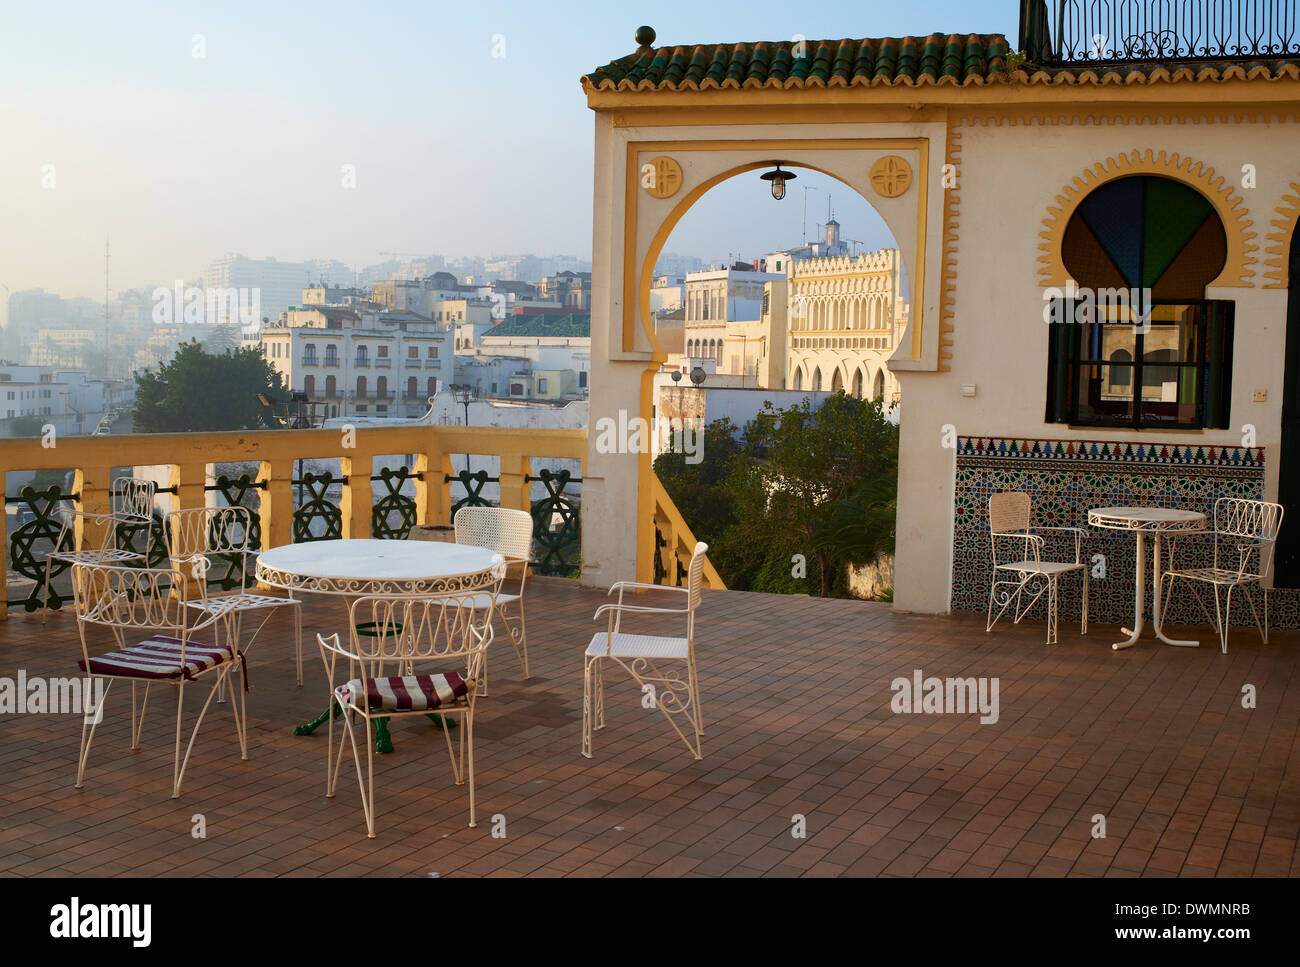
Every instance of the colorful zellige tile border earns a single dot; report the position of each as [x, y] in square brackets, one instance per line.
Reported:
[1066, 479]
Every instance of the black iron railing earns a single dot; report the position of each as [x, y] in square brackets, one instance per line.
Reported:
[1072, 32]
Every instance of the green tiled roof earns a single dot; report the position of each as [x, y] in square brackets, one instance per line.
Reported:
[958, 59]
[541, 324]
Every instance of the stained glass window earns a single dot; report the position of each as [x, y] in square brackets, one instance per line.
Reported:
[1135, 343]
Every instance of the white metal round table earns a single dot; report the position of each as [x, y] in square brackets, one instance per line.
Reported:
[1161, 522]
[361, 566]
[367, 566]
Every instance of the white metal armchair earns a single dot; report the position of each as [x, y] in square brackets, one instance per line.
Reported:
[408, 633]
[1244, 538]
[510, 534]
[1018, 563]
[130, 600]
[640, 655]
[207, 537]
[90, 538]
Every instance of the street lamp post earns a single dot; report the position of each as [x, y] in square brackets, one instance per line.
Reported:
[464, 394]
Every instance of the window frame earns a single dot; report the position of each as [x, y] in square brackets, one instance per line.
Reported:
[1213, 367]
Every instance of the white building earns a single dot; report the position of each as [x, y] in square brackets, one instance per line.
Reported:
[846, 316]
[714, 298]
[277, 285]
[361, 362]
[70, 401]
[545, 358]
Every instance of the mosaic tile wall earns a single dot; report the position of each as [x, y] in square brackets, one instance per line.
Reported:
[1066, 479]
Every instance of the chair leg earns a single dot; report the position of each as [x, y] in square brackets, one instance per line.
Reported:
[1219, 627]
[137, 726]
[239, 706]
[1165, 594]
[1266, 616]
[1083, 626]
[367, 800]
[176, 762]
[332, 761]
[88, 734]
[179, 769]
[297, 637]
[663, 684]
[694, 682]
[451, 752]
[699, 711]
[1051, 610]
[1227, 617]
[587, 711]
[468, 733]
[518, 636]
[45, 600]
[482, 678]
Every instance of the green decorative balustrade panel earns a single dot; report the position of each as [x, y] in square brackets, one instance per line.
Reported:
[34, 539]
[394, 514]
[316, 506]
[557, 526]
[473, 484]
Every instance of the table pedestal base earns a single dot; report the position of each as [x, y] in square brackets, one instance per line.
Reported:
[383, 740]
[1139, 600]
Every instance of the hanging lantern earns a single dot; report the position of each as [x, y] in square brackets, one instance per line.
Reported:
[778, 179]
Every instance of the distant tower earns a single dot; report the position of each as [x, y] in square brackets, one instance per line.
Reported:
[832, 236]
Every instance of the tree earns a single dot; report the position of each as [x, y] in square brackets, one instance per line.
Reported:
[204, 391]
[801, 486]
[26, 426]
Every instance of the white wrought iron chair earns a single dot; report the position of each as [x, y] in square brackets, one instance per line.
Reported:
[211, 537]
[130, 600]
[130, 502]
[407, 634]
[1241, 528]
[641, 655]
[510, 534]
[1019, 563]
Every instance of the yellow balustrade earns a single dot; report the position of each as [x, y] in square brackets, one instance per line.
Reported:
[679, 542]
[275, 453]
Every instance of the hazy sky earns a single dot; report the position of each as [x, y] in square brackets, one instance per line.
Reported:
[179, 159]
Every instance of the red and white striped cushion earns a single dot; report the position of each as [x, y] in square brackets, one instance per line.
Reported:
[158, 657]
[406, 693]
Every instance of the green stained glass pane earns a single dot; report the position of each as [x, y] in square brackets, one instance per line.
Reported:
[1173, 214]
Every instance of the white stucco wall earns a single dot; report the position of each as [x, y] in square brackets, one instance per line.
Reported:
[1009, 176]
[841, 149]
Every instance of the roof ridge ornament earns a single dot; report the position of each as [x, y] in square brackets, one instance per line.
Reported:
[645, 37]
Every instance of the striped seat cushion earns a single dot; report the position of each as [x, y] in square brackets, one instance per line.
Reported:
[158, 657]
[405, 693]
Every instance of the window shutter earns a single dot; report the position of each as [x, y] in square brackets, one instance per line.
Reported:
[1218, 365]
[1059, 354]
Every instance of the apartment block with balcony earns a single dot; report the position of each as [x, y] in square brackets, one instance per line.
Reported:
[359, 361]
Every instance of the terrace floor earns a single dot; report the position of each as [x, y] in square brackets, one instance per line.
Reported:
[796, 694]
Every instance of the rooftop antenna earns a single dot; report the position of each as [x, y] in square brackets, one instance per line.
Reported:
[806, 189]
[106, 333]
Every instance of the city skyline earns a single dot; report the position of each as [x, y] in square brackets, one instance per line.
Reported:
[183, 133]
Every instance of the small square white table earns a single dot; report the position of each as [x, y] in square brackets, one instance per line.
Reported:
[1161, 522]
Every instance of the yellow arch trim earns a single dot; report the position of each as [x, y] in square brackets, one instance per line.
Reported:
[1279, 253]
[1227, 204]
[660, 239]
